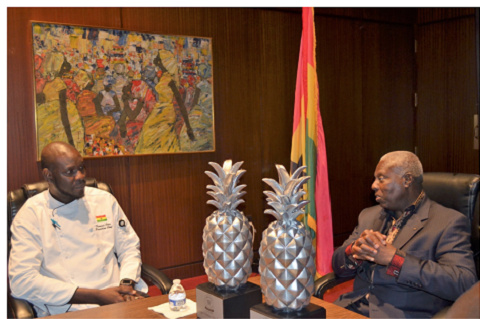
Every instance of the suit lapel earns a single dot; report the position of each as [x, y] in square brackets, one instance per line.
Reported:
[378, 222]
[414, 224]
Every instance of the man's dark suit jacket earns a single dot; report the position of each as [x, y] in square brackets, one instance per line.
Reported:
[438, 265]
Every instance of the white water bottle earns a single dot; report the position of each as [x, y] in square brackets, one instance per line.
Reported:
[177, 297]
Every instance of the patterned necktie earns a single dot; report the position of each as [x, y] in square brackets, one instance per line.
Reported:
[399, 223]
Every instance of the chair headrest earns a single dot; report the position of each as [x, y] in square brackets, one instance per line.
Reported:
[36, 188]
[453, 190]
[18, 197]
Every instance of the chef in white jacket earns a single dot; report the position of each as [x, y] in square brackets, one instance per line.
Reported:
[72, 246]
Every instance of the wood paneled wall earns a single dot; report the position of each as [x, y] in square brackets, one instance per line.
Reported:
[365, 63]
[366, 88]
[447, 90]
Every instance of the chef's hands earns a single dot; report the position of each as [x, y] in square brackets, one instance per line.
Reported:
[128, 293]
[105, 296]
[372, 246]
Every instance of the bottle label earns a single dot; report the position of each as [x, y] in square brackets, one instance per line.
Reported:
[177, 300]
[177, 303]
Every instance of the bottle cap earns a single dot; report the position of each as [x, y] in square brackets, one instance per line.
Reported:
[176, 281]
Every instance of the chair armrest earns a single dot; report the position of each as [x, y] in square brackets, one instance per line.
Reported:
[326, 282]
[157, 277]
[20, 308]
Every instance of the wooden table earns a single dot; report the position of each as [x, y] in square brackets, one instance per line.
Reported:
[139, 308]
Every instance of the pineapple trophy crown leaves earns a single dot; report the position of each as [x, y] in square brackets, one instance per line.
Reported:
[224, 191]
[286, 200]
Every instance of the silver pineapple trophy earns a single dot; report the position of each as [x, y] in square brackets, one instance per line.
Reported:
[287, 255]
[227, 249]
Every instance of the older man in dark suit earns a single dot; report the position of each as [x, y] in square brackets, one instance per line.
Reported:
[411, 256]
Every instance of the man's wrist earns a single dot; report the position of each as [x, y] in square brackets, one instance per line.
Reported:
[86, 296]
[351, 262]
[395, 265]
[348, 249]
[127, 282]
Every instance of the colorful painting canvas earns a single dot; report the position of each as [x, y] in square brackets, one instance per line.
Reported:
[112, 92]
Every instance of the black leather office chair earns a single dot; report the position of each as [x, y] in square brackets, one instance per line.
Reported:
[453, 190]
[18, 308]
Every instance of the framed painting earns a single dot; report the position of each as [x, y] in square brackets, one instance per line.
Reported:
[112, 92]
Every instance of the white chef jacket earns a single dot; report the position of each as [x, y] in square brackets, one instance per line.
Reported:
[92, 245]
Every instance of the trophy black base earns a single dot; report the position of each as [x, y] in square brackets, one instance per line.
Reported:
[212, 303]
[263, 310]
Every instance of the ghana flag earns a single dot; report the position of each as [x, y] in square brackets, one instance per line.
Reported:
[308, 148]
[101, 218]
